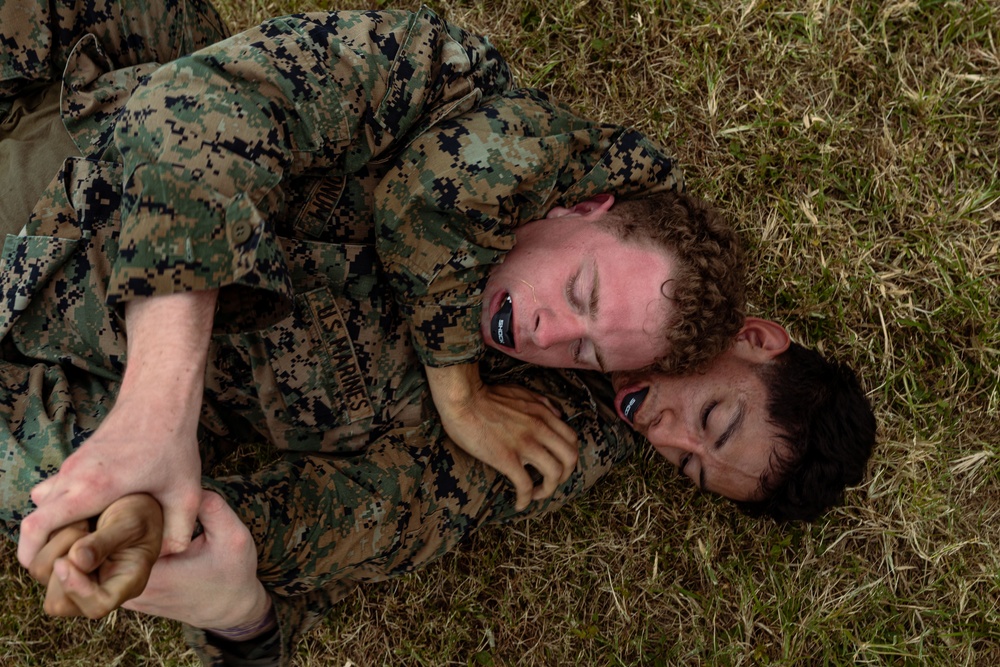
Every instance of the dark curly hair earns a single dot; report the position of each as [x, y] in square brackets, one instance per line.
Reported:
[827, 425]
[709, 284]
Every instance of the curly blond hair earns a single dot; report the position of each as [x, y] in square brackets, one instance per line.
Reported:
[709, 285]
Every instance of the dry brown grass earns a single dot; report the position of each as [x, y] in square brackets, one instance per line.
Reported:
[857, 144]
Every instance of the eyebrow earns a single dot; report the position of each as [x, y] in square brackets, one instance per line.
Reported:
[734, 425]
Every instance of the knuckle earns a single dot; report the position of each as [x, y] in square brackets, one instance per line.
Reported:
[28, 522]
[213, 502]
[189, 504]
[59, 607]
[35, 495]
[239, 541]
[37, 573]
[536, 423]
[34, 523]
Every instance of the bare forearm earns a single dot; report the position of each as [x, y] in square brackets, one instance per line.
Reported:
[168, 339]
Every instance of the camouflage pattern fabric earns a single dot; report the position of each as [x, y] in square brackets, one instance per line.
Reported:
[39, 37]
[324, 172]
[324, 524]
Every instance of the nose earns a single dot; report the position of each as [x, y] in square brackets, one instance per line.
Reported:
[551, 328]
[666, 431]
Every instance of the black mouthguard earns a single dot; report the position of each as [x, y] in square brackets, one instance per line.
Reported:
[501, 326]
[632, 402]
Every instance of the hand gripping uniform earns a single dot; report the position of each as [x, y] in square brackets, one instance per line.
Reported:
[345, 180]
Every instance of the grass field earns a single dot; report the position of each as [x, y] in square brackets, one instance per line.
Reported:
[856, 143]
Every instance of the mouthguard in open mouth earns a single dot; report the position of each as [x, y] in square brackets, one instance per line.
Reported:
[632, 402]
[502, 324]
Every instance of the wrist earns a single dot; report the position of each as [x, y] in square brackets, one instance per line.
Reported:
[454, 385]
[260, 618]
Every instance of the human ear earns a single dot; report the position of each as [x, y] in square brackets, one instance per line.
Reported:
[596, 204]
[762, 339]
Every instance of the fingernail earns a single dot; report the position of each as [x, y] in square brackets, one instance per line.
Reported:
[86, 558]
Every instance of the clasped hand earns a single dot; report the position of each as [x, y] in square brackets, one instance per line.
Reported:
[148, 441]
[212, 584]
[92, 573]
[131, 452]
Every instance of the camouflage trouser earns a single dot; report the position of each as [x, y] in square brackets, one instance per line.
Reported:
[323, 524]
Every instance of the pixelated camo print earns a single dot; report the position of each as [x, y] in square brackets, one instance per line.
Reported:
[310, 352]
[325, 524]
[38, 36]
[296, 125]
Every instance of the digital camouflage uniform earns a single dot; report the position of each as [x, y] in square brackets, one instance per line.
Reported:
[255, 166]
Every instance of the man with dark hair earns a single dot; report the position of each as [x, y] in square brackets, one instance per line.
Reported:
[826, 423]
[769, 423]
[297, 341]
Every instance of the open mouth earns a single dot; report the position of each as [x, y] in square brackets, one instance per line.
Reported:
[630, 403]
[502, 324]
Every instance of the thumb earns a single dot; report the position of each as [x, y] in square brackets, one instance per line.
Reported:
[178, 527]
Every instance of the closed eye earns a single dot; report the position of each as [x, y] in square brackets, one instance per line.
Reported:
[706, 412]
[595, 290]
[571, 296]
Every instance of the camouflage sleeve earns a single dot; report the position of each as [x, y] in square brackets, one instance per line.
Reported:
[37, 36]
[211, 139]
[447, 210]
[323, 524]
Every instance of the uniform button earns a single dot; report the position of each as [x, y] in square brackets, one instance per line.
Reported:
[240, 231]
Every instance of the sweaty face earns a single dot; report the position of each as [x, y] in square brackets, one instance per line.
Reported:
[571, 295]
[712, 426]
